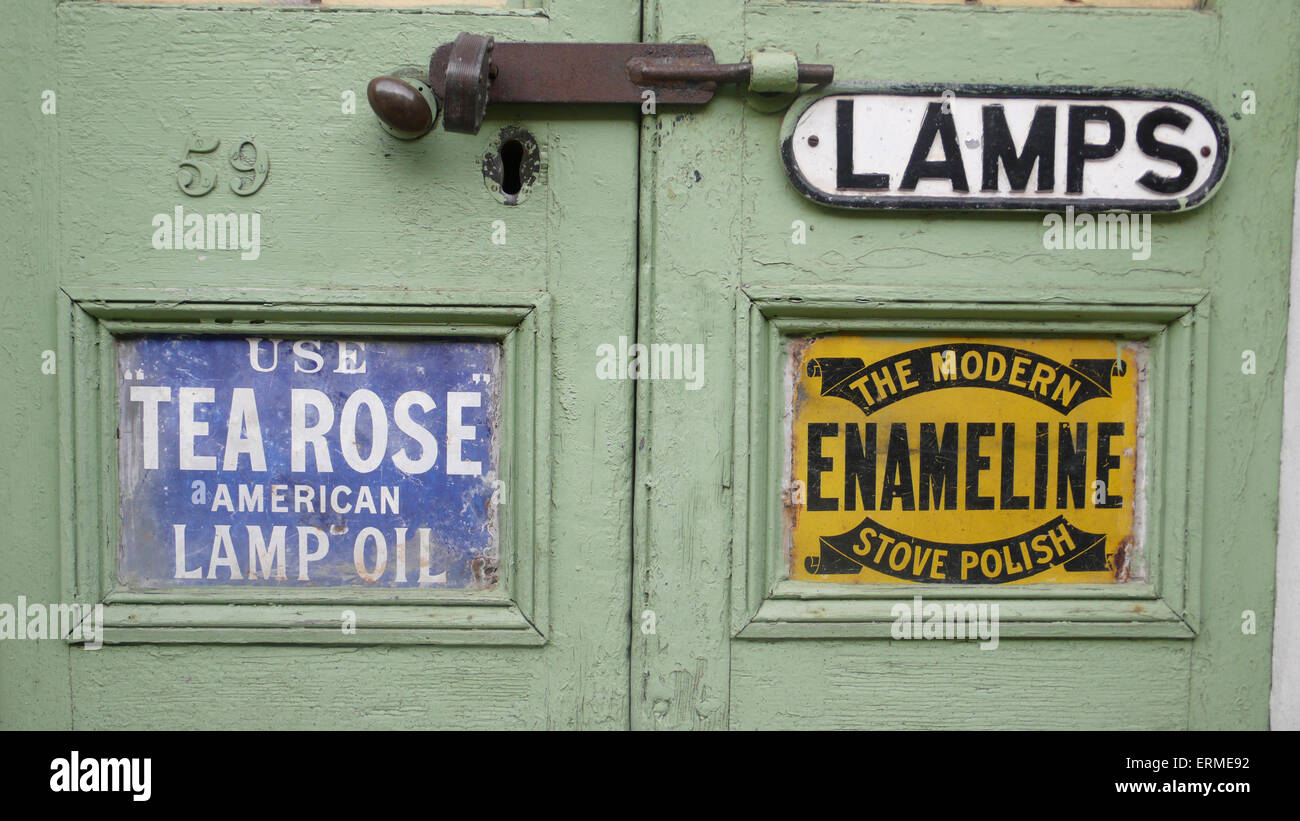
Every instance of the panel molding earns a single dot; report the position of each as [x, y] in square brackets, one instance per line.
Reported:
[1174, 323]
[513, 612]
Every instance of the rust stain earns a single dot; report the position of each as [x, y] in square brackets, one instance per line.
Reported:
[798, 348]
[484, 572]
[1120, 562]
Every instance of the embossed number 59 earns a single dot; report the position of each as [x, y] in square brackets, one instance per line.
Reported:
[197, 177]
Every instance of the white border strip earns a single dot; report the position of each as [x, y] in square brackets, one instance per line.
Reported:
[1284, 702]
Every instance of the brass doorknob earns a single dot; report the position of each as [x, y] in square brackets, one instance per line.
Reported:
[404, 104]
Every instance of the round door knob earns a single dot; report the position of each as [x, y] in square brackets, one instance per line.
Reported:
[405, 106]
[469, 72]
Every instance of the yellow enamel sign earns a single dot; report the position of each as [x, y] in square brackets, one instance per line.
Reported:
[963, 460]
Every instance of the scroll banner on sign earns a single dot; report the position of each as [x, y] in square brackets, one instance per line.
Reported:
[873, 546]
[965, 365]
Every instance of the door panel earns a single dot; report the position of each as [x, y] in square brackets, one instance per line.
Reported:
[657, 508]
[359, 233]
[740, 645]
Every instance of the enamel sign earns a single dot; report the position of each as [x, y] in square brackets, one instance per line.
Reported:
[307, 463]
[1006, 147]
[963, 460]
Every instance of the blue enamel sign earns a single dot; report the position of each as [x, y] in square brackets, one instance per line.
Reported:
[308, 463]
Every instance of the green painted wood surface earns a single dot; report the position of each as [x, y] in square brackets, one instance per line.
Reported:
[34, 683]
[352, 212]
[884, 685]
[716, 221]
[347, 212]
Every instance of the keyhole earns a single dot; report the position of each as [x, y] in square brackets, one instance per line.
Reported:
[512, 161]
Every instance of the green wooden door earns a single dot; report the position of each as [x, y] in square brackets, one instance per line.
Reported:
[361, 235]
[645, 578]
[1184, 640]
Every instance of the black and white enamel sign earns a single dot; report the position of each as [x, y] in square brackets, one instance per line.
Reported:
[1005, 148]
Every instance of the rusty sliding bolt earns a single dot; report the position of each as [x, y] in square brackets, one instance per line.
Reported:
[475, 70]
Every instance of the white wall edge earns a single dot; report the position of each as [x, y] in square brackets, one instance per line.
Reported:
[1284, 701]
